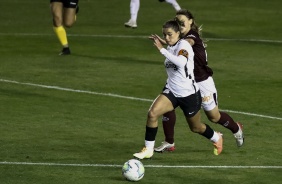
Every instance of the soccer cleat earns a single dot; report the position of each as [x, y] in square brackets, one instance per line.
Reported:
[218, 146]
[145, 153]
[239, 136]
[131, 24]
[165, 146]
[65, 51]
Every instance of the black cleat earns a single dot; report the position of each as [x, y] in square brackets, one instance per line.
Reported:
[65, 51]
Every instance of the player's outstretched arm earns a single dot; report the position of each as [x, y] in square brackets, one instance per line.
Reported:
[155, 36]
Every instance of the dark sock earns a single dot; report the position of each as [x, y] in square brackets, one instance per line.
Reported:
[169, 120]
[226, 121]
[208, 133]
[151, 133]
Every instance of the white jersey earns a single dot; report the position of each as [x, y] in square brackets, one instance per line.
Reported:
[179, 64]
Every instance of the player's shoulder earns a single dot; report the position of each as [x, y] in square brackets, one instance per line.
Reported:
[184, 43]
[192, 34]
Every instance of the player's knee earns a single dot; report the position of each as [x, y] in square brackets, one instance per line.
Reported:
[152, 114]
[213, 115]
[213, 119]
[68, 24]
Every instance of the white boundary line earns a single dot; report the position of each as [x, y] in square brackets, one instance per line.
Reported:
[146, 166]
[75, 90]
[120, 96]
[135, 36]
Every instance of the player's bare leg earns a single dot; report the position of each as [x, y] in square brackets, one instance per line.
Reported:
[160, 106]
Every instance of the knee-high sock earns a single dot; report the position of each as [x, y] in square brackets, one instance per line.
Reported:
[226, 121]
[62, 35]
[169, 120]
[151, 133]
[134, 8]
[174, 4]
[150, 137]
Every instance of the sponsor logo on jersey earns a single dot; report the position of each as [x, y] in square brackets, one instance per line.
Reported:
[171, 65]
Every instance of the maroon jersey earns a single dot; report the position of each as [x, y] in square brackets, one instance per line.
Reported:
[201, 69]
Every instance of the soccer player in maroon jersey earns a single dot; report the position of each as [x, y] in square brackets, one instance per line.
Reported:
[64, 15]
[203, 76]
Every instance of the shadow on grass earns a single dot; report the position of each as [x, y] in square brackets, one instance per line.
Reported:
[128, 60]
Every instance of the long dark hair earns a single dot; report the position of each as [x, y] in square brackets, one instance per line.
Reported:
[194, 26]
[189, 15]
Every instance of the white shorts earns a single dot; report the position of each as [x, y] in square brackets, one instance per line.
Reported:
[208, 94]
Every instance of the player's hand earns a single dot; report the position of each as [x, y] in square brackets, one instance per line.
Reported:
[153, 36]
[157, 43]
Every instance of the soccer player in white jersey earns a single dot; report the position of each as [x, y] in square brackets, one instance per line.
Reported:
[134, 8]
[180, 90]
[203, 77]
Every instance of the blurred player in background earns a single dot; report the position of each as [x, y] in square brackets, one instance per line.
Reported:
[134, 8]
[203, 76]
[64, 15]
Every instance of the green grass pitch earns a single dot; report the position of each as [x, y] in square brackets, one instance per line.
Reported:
[77, 119]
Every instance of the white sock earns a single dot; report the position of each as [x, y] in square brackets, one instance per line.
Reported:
[150, 144]
[174, 4]
[215, 137]
[134, 8]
